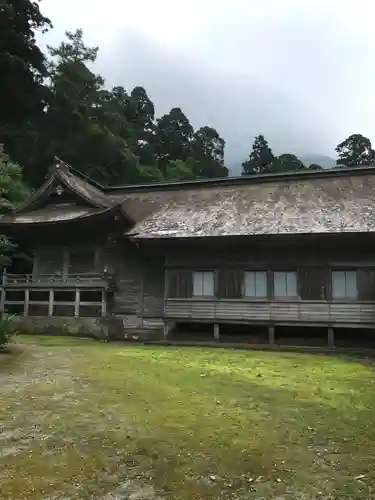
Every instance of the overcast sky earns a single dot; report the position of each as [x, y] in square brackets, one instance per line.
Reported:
[301, 72]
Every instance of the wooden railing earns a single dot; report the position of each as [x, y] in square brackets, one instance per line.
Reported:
[92, 280]
[55, 295]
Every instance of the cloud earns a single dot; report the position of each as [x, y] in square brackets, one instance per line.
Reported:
[298, 72]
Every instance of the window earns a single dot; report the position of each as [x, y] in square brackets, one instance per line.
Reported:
[179, 284]
[203, 284]
[285, 284]
[229, 284]
[255, 284]
[344, 285]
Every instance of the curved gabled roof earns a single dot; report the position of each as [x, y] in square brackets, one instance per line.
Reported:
[61, 174]
[91, 201]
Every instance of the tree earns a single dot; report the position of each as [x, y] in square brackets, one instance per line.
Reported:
[173, 136]
[286, 162]
[23, 67]
[315, 166]
[13, 191]
[260, 159]
[87, 125]
[140, 115]
[208, 153]
[178, 170]
[355, 151]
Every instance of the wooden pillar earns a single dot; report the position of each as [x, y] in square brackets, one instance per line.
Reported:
[50, 303]
[26, 303]
[217, 332]
[77, 302]
[2, 293]
[104, 303]
[271, 335]
[167, 327]
[331, 337]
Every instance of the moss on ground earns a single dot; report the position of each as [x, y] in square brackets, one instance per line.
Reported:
[82, 419]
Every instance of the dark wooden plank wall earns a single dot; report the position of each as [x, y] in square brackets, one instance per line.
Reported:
[153, 286]
[122, 261]
[140, 279]
[68, 259]
[313, 259]
[292, 253]
[139, 274]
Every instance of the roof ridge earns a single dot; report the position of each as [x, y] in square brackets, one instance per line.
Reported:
[247, 179]
[78, 173]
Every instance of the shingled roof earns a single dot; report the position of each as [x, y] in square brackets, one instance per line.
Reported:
[335, 201]
[90, 200]
[62, 173]
[294, 205]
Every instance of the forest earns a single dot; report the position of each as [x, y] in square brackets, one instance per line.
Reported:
[54, 104]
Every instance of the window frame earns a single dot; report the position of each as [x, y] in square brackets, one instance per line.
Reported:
[214, 280]
[285, 297]
[255, 297]
[345, 298]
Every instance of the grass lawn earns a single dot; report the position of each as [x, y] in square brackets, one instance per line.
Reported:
[81, 419]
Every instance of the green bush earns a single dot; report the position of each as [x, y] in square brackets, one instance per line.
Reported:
[6, 328]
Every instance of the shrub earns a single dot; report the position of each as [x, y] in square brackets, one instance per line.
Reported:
[6, 328]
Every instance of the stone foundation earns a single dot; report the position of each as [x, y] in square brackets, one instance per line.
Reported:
[110, 328]
[80, 327]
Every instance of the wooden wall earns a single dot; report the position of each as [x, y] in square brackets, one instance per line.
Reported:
[76, 258]
[140, 278]
[139, 272]
[312, 258]
[274, 312]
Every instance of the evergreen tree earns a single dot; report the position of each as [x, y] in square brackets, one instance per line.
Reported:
[83, 125]
[23, 67]
[173, 136]
[208, 153]
[260, 158]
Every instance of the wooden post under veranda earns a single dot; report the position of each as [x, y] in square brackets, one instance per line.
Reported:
[2, 292]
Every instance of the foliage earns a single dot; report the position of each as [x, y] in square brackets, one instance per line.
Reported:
[263, 161]
[208, 153]
[7, 322]
[286, 162]
[260, 159]
[58, 106]
[112, 135]
[355, 151]
[23, 95]
[180, 170]
[12, 192]
[173, 136]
